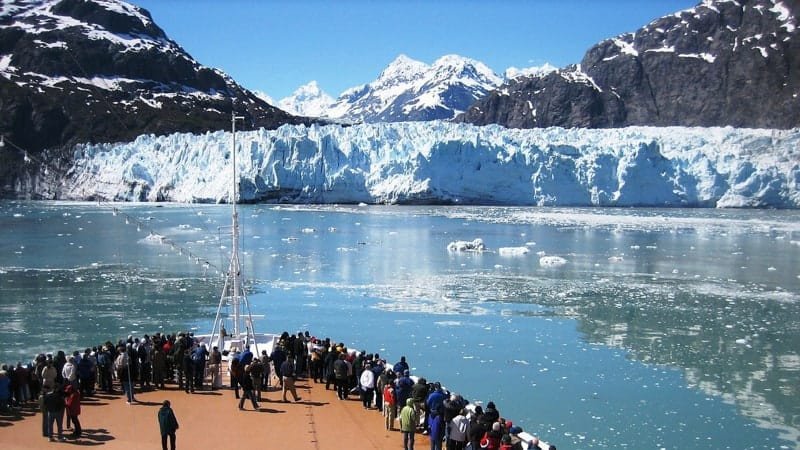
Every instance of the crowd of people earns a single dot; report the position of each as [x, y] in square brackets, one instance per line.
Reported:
[409, 404]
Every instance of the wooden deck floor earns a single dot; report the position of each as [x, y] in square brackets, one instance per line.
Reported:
[212, 420]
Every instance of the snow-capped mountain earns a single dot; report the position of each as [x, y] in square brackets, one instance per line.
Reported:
[724, 62]
[441, 162]
[536, 71]
[307, 100]
[412, 90]
[102, 70]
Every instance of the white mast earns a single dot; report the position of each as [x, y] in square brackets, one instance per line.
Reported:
[235, 268]
[237, 299]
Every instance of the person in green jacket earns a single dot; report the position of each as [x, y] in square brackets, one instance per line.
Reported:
[409, 418]
[168, 425]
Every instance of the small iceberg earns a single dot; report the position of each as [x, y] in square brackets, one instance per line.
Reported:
[552, 261]
[513, 251]
[467, 246]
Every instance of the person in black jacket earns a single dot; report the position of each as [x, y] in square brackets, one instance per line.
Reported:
[247, 388]
[168, 425]
[54, 405]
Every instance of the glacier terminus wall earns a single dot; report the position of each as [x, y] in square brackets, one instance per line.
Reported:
[446, 163]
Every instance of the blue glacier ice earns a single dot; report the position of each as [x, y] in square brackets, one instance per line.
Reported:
[442, 162]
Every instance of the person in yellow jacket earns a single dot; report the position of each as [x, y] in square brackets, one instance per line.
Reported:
[409, 419]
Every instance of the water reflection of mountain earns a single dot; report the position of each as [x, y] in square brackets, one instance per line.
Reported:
[743, 349]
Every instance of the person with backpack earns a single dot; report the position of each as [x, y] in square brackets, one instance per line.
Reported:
[167, 424]
[122, 368]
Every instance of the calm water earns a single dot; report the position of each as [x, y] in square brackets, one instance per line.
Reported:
[663, 329]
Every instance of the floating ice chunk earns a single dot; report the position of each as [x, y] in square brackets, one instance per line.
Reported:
[513, 251]
[541, 253]
[615, 259]
[771, 269]
[308, 230]
[552, 261]
[362, 204]
[530, 244]
[467, 246]
[20, 215]
[741, 341]
[791, 242]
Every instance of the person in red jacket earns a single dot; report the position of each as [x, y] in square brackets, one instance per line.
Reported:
[491, 440]
[73, 402]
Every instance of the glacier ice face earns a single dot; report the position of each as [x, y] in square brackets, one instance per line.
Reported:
[441, 162]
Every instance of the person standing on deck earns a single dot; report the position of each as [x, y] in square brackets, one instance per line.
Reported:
[408, 424]
[159, 367]
[247, 389]
[236, 371]
[278, 356]
[49, 375]
[340, 374]
[188, 371]
[288, 374]
[256, 371]
[403, 386]
[299, 353]
[265, 370]
[167, 424]
[401, 366]
[199, 365]
[457, 435]
[5, 391]
[330, 359]
[389, 408]
[214, 365]
[54, 405]
[122, 368]
[86, 373]
[246, 357]
[367, 382]
[73, 404]
[436, 426]
[104, 366]
[69, 373]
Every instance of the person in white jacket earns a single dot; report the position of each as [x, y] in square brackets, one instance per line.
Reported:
[458, 432]
[70, 372]
[367, 383]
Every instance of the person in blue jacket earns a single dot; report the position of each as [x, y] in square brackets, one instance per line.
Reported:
[436, 424]
[403, 390]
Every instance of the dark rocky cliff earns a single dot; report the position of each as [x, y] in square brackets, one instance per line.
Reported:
[102, 71]
[722, 63]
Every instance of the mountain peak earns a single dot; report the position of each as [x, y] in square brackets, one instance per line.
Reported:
[402, 68]
[308, 100]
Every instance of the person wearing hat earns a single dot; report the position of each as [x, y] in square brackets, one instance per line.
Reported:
[167, 424]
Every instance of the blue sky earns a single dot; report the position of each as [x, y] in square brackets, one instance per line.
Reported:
[276, 46]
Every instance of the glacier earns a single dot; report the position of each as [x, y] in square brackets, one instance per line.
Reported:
[446, 163]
